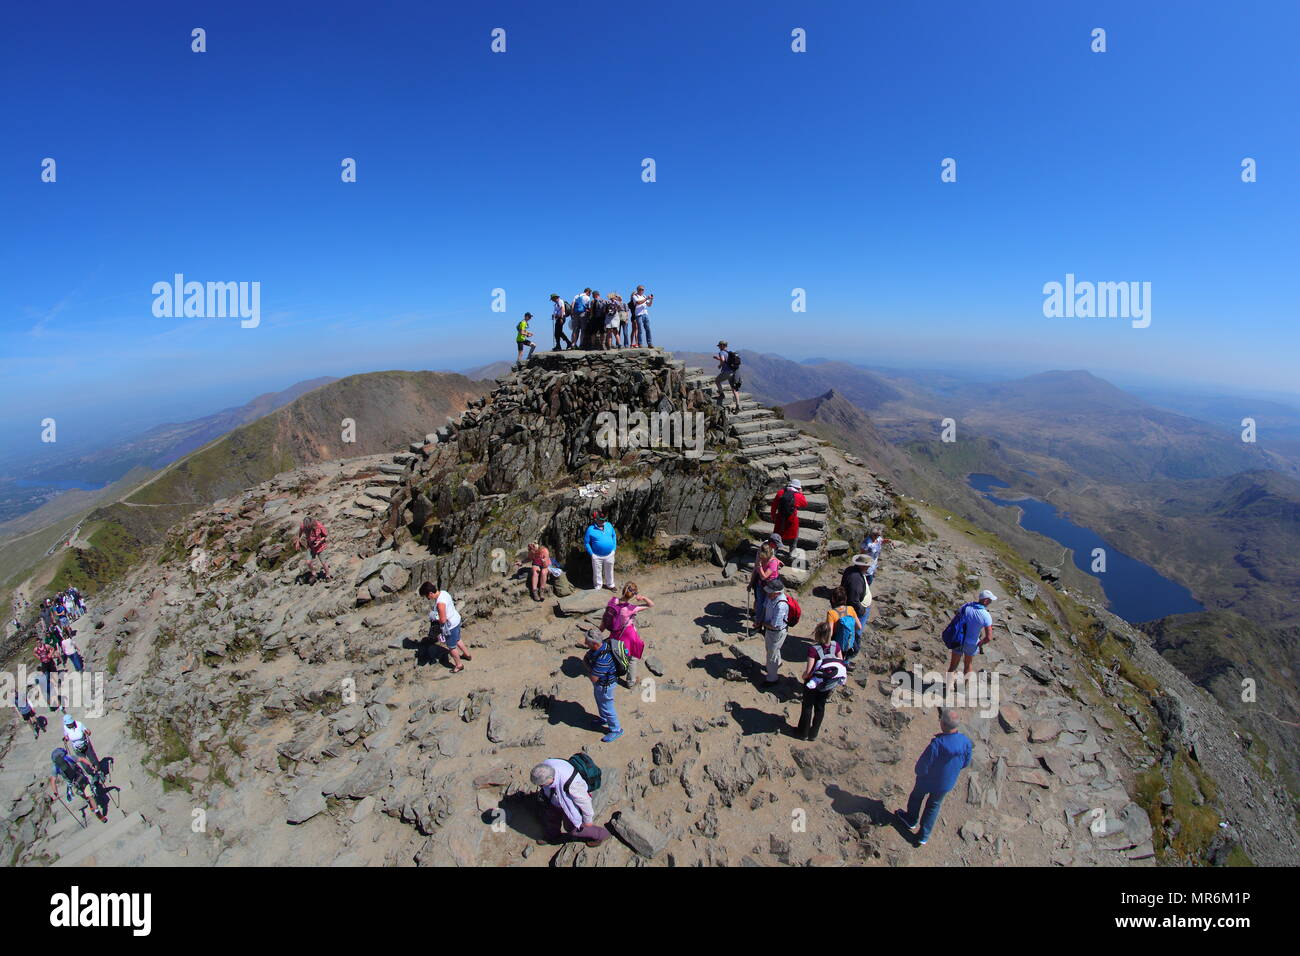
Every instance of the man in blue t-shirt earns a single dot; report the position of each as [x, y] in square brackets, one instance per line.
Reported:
[937, 770]
[604, 675]
[975, 629]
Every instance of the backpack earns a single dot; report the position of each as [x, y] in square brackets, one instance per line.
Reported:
[584, 765]
[832, 677]
[953, 635]
[846, 631]
[794, 612]
[785, 504]
[733, 360]
[568, 309]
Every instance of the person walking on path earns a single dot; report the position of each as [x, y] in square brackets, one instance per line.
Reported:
[76, 774]
[27, 712]
[619, 621]
[603, 671]
[974, 629]
[569, 811]
[444, 625]
[313, 534]
[77, 736]
[845, 625]
[48, 672]
[523, 340]
[728, 370]
[785, 512]
[872, 545]
[559, 315]
[601, 542]
[937, 770]
[767, 567]
[776, 617]
[857, 589]
[72, 653]
[825, 672]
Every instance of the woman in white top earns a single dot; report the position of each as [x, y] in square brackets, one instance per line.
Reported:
[445, 624]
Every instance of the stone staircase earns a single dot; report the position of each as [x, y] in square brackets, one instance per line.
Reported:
[784, 453]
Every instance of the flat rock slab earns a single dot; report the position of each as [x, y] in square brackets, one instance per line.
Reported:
[639, 834]
[583, 602]
[1041, 731]
[306, 803]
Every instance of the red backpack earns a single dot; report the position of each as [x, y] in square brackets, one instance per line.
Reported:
[794, 612]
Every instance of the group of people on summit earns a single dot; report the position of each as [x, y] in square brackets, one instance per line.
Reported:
[593, 322]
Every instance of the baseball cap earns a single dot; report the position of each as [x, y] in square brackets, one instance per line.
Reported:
[986, 593]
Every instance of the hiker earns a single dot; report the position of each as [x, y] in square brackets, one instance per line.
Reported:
[560, 310]
[27, 712]
[603, 669]
[578, 314]
[785, 512]
[595, 334]
[845, 625]
[313, 534]
[767, 567]
[614, 320]
[601, 542]
[76, 774]
[72, 653]
[539, 562]
[825, 672]
[776, 621]
[974, 629]
[45, 655]
[937, 770]
[569, 810]
[444, 625]
[625, 321]
[728, 370]
[641, 317]
[872, 545]
[522, 336]
[857, 589]
[619, 622]
[77, 736]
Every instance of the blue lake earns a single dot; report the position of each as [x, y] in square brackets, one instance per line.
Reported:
[1135, 591]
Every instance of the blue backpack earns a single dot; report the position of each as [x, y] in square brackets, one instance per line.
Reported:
[954, 635]
[846, 633]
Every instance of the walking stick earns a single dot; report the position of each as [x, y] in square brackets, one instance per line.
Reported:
[81, 823]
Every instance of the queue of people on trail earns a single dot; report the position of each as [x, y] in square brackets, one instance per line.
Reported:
[591, 321]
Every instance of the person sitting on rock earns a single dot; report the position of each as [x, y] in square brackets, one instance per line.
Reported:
[825, 672]
[937, 770]
[313, 534]
[785, 512]
[619, 621]
[539, 569]
[569, 812]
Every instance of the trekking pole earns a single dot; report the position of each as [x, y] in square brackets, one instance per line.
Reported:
[81, 823]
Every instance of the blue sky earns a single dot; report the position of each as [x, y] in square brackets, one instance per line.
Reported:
[522, 171]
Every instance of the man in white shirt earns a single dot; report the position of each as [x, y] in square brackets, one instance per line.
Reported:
[641, 316]
[570, 811]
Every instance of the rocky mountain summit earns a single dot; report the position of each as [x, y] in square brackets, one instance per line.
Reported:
[256, 719]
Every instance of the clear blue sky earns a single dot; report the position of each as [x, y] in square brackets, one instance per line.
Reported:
[522, 171]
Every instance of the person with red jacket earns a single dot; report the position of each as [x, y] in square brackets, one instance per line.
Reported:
[785, 512]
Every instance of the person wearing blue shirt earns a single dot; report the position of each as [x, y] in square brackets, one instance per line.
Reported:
[937, 771]
[601, 542]
[975, 627]
[604, 675]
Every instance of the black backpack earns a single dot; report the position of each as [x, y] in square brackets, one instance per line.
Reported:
[785, 504]
[568, 309]
[733, 361]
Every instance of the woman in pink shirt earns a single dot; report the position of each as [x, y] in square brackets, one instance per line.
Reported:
[767, 567]
[619, 620]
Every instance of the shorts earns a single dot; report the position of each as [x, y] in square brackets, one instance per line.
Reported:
[970, 650]
[451, 636]
[726, 375]
[316, 552]
[611, 324]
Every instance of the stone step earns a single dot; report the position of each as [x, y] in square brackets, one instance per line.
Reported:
[393, 469]
[762, 423]
[108, 834]
[416, 446]
[817, 502]
[405, 458]
[810, 478]
[753, 413]
[368, 505]
[759, 451]
[379, 493]
[778, 463]
[810, 539]
[386, 479]
[772, 436]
